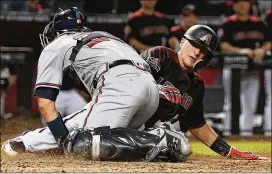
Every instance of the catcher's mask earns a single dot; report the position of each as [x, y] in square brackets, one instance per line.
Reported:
[203, 37]
[67, 20]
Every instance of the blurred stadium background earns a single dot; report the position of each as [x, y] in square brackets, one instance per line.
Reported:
[22, 21]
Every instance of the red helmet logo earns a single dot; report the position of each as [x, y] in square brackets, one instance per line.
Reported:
[207, 38]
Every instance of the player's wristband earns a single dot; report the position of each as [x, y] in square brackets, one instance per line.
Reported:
[220, 146]
[58, 129]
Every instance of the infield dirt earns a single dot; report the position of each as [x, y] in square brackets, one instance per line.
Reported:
[56, 162]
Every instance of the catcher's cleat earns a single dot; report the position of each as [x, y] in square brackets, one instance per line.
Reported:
[12, 147]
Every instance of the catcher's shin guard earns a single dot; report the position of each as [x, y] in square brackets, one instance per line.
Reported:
[123, 144]
[110, 144]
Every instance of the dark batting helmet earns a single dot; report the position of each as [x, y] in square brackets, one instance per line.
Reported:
[203, 37]
[67, 20]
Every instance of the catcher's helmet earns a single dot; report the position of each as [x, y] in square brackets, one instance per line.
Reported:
[203, 36]
[70, 19]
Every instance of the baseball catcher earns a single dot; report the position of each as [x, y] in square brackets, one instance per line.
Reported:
[182, 90]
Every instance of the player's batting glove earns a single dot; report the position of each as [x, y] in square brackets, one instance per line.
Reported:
[236, 154]
[170, 93]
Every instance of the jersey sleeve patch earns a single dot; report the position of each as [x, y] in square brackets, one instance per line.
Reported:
[154, 63]
[186, 101]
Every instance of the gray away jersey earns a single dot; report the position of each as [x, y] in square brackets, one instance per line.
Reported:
[55, 58]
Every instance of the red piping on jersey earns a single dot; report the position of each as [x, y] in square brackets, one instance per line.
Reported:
[176, 28]
[96, 41]
[254, 19]
[140, 13]
[159, 14]
[99, 93]
[234, 18]
[47, 84]
[231, 18]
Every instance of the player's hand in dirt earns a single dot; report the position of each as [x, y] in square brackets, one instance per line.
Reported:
[170, 93]
[237, 154]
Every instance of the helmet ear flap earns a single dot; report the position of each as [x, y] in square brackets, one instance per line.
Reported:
[199, 64]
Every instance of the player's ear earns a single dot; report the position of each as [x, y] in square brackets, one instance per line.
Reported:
[182, 41]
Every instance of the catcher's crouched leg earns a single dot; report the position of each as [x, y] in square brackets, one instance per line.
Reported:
[125, 144]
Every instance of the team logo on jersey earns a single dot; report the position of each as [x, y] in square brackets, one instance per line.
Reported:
[154, 63]
[186, 101]
[207, 38]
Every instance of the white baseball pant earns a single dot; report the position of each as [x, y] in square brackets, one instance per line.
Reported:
[125, 96]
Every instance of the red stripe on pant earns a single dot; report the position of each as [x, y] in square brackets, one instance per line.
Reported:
[66, 119]
[95, 101]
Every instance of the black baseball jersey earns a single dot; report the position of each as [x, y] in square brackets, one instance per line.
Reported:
[152, 30]
[167, 71]
[244, 34]
[178, 31]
